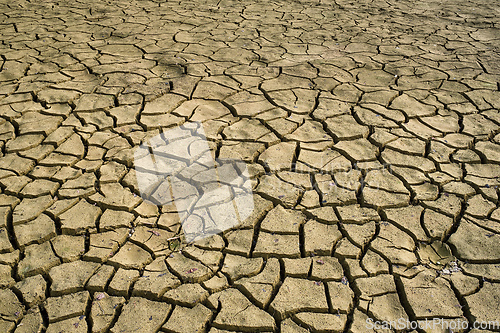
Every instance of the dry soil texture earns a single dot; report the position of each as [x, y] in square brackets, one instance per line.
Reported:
[371, 131]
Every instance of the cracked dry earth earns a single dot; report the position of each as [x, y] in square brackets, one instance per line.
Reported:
[370, 130]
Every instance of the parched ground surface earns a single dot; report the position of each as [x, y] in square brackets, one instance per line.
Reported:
[371, 131]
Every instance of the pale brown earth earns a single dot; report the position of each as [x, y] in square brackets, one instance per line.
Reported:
[371, 130]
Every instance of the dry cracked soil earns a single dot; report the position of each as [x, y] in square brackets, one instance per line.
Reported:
[371, 135]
